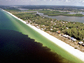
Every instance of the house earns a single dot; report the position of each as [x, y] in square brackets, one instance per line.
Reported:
[67, 28]
[69, 37]
[51, 29]
[83, 44]
[73, 39]
[58, 32]
[66, 36]
[80, 43]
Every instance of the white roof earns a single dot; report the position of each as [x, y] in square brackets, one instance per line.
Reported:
[80, 42]
[65, 35]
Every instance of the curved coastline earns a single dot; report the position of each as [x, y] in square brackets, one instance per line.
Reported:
[56, 41]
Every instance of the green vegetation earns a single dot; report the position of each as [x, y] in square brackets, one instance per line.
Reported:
[25, 16]
[73, 29]
[79, 15]
[57, 13]
[76, 30]
[11, 9]
[52, 13]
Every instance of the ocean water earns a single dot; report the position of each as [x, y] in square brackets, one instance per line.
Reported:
[16, 47]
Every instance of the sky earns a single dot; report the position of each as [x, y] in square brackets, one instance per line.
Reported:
[43, 2]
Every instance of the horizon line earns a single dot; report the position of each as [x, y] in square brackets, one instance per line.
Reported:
[43, 5]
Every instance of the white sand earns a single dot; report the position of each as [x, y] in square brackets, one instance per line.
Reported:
[58, 42]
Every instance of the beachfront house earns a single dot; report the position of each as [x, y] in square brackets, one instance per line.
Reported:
[58, 32]
[83, 44]
[51, 29]
[73, 39]
[67, 28]
[80, 43]
[69, 37]
[66, 36]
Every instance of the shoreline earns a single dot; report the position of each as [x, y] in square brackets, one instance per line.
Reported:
[56, 41]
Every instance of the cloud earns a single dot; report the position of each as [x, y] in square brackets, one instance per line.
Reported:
[8, 0]
[67, 1]
[50, 0]
[82, 1]
[42, 2]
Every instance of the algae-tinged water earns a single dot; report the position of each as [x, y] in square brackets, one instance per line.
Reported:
[7, 22]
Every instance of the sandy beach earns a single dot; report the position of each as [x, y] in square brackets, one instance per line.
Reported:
[56, 41]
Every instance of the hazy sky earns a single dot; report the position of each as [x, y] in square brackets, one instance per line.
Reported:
[43, 2]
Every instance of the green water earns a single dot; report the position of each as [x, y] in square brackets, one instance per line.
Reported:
[11, 23]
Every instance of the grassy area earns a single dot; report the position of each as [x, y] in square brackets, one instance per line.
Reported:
[79, 15]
